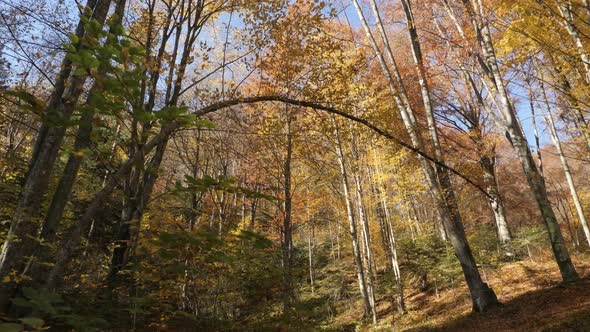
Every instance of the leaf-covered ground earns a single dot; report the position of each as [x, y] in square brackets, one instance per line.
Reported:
[533, 299]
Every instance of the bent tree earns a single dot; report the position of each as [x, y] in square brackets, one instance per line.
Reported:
[198, 157]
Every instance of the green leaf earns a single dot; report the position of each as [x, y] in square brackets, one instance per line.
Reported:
[204, 123]
[36, 104]
[95, 26]
[142, 116]
[74, 57]
[80, 71]
[73, 38]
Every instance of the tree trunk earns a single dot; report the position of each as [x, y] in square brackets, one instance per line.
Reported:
[365, 227]
[287, 225]
[388, 238]
[566, 169]
[310, 247]
[474, 124]
[535, 129]
[253, 206]
[60, 107]
[520, 145]
[574, 104]
[482, 296]
[66, 182]
[366, 240]
[129, 232]
[494, 199]
[352, 222]
[562, 209]
[567, 20]
[72, 240]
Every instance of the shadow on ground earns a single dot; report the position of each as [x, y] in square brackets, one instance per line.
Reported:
[558, 308]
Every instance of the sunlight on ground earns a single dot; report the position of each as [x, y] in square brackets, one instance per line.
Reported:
[531, 294]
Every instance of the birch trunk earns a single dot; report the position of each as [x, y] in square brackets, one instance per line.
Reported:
[567, 20]
[364, 220]
[572, 228]
[366, 240]
[574, 104]
[487, 163]
[494, 199]
[73, 238]
[443, 175]
[535, 128]
[388, 238]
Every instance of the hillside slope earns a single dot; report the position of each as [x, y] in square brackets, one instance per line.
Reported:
[531, 294]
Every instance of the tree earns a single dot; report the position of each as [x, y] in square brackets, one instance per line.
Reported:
[509, 122]
[482, 296]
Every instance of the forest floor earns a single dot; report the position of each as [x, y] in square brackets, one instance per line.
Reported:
[532, 297]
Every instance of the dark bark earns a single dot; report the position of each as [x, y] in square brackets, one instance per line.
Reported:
[128, 233]
[60, 107]
[287, 240]
[83, 140]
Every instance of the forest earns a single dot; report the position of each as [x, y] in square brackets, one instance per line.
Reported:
[294, 165]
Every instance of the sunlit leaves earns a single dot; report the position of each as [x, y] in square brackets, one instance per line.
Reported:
[206, 183]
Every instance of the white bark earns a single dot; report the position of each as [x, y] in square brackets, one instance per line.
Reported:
[482, 296]
[352, 222]
[365, 228]
[566, 169]
[511, 125]
[494, 199]
[421, 71]
[535, 129]
[387, 227]
[567, 20]
[487, 163]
